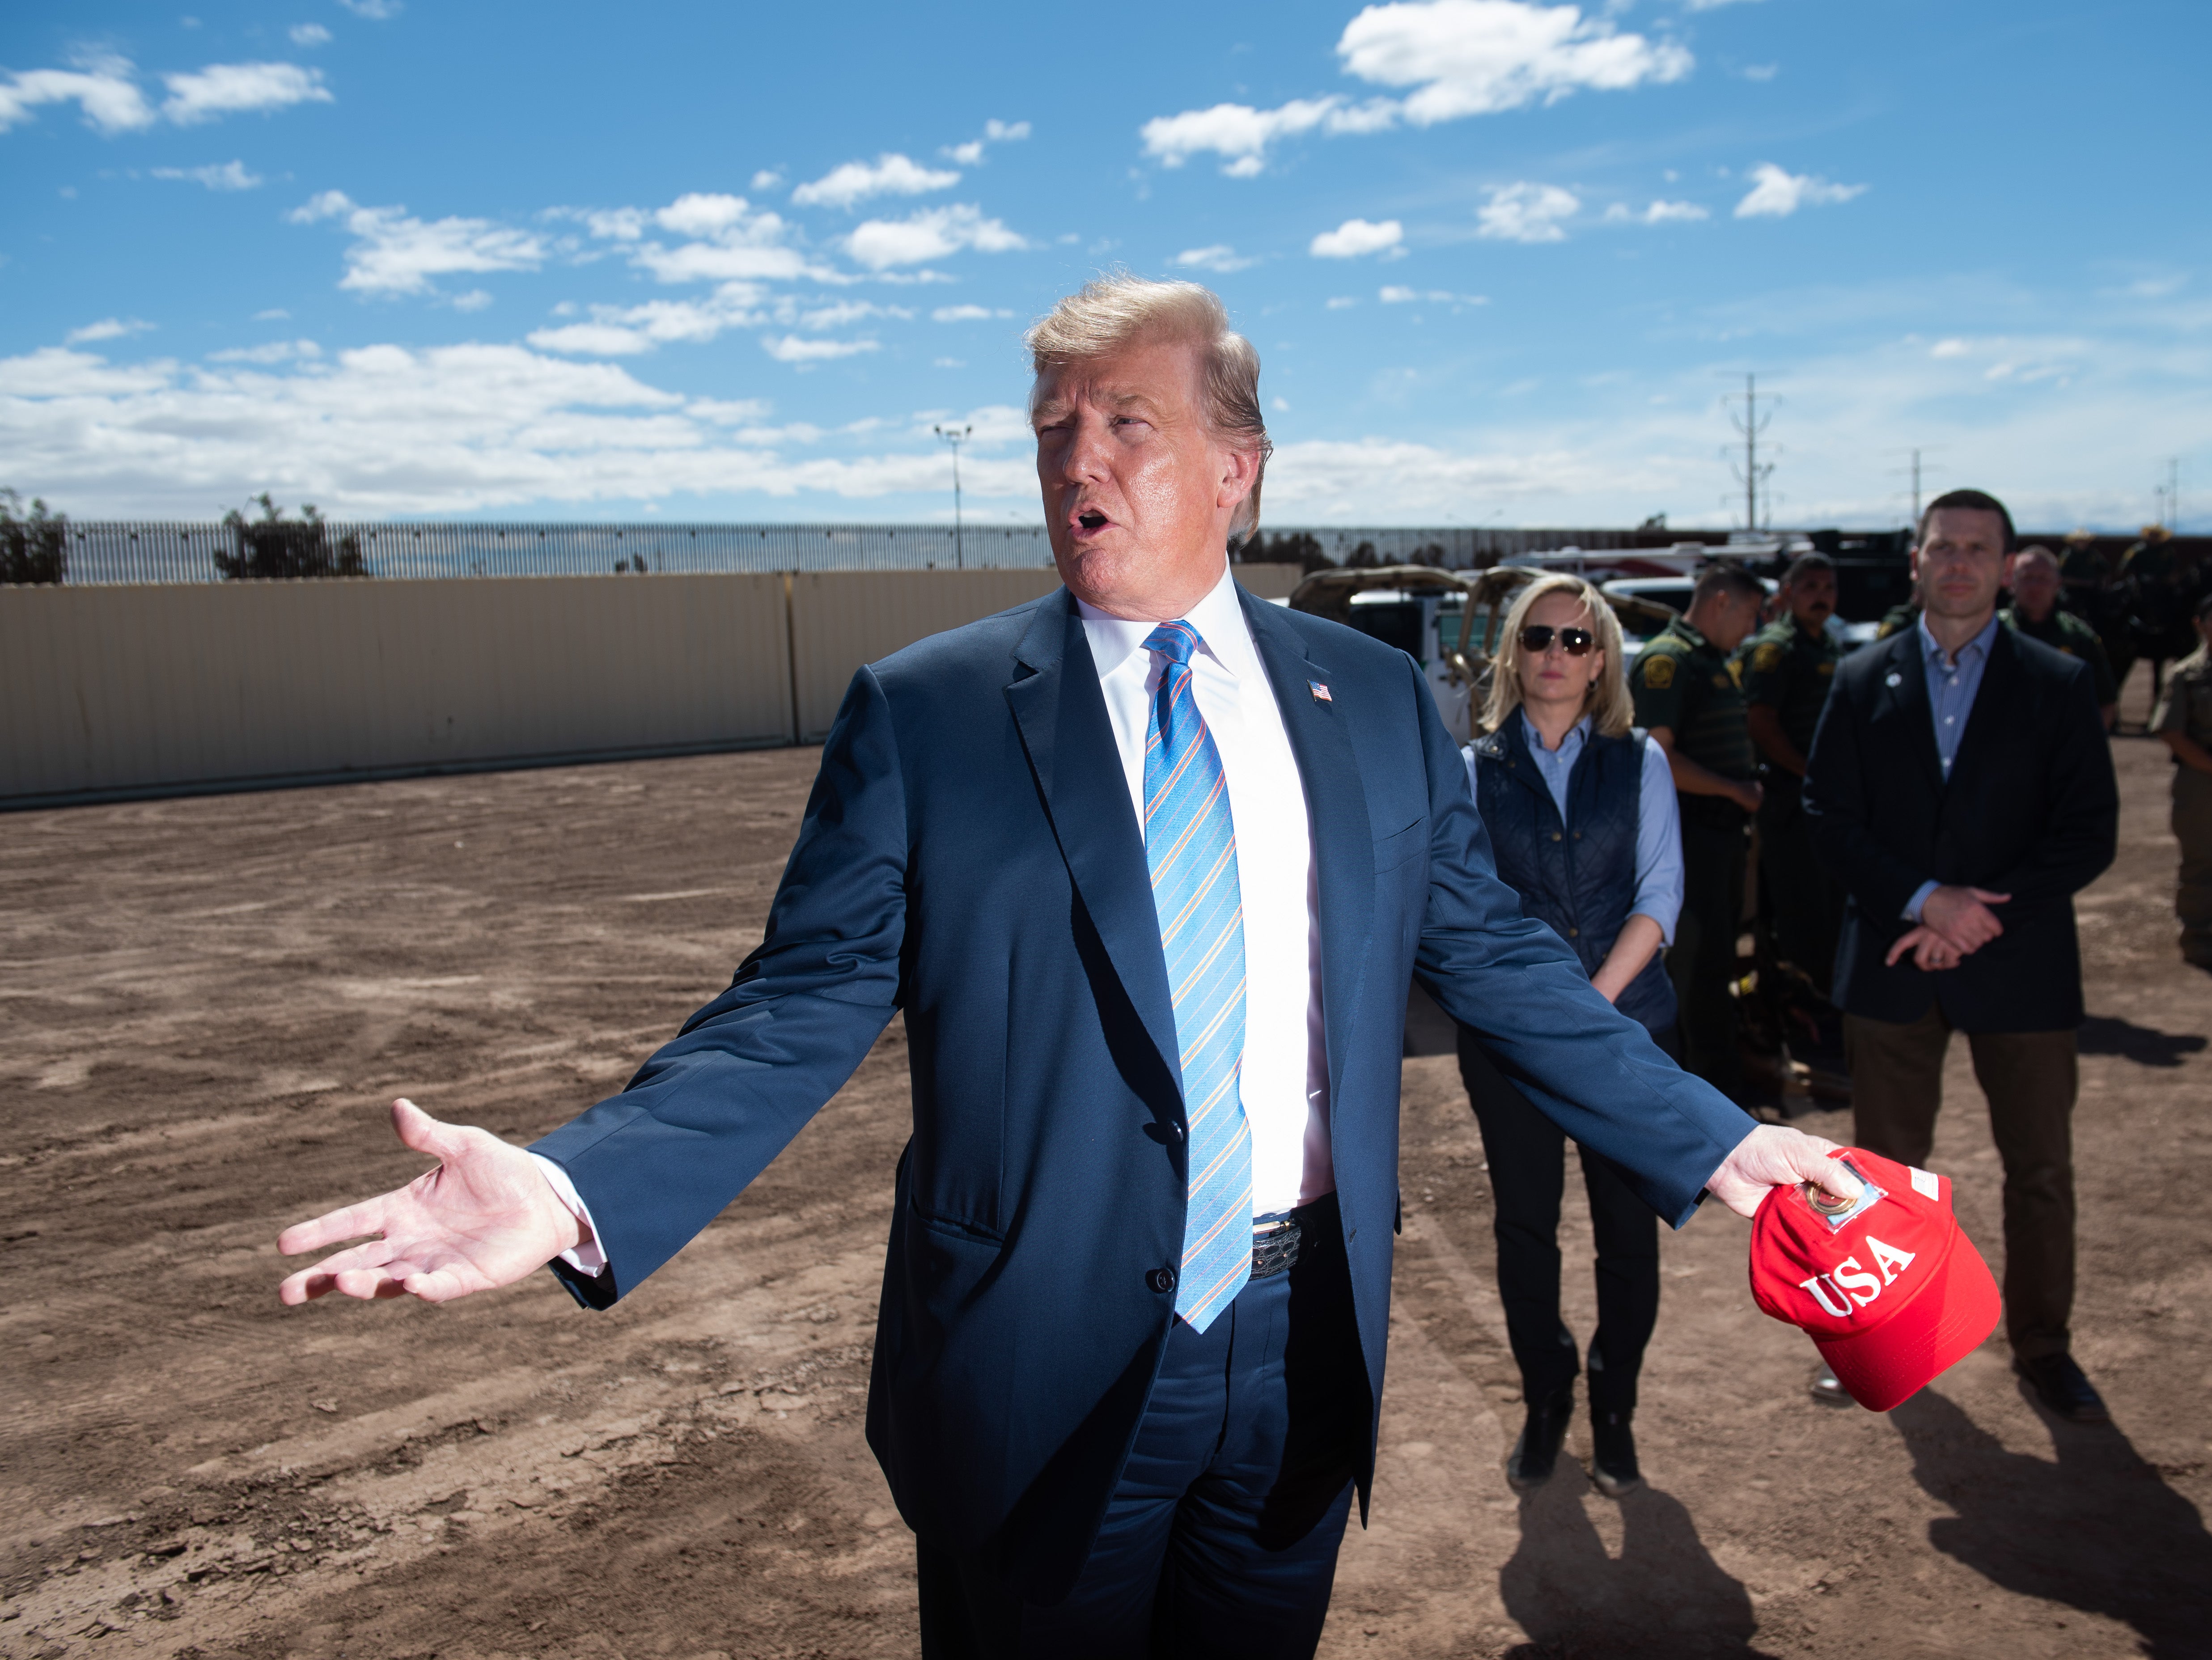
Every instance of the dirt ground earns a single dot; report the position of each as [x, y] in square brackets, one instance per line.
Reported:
[207, 1001]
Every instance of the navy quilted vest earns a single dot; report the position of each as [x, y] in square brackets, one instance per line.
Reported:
[1579, 882]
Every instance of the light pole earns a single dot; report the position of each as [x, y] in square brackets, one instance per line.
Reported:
[955, 438]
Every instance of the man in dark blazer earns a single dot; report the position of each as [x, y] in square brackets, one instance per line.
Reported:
[1961, 790]
[1130, 1352]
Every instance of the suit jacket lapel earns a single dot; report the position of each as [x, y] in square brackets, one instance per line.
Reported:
[1336, 807]
[1061, 711]
[1999, 672]
[1910, 694]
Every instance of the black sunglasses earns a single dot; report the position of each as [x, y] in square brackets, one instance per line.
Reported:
[1536, 640]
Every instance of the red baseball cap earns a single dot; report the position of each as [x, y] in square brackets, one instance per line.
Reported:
[1888, 1286]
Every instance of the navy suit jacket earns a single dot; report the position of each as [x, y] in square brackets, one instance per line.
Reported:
[970, 856]
[2031, 809]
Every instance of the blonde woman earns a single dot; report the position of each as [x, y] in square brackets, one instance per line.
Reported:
[1580, 808]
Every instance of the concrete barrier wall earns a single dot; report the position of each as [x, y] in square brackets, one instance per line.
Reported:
[107, 690]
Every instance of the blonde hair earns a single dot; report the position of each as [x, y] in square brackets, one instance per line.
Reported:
[1109, 314]
[1608, 703]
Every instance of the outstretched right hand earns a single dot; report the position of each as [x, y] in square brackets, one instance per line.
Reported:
[486, 1216]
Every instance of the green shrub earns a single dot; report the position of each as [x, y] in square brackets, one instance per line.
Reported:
[275, 548]
[33, 545]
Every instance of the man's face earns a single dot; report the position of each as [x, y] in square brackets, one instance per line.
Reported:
[1727, 619]
[1138, 494]
[1961, 562]
[2035, 587]
[1812, 599]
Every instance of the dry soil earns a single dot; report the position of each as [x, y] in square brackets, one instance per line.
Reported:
[207, 1001]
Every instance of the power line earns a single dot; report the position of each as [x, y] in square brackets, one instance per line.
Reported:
[1751, 472]
[956, 439]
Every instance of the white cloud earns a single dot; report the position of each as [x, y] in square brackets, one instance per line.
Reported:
[1761, 72]
[1355, 237]
[704, 214]
[625, 330]
[1526, 213]
[1777, 194]
[1951, 348]
[767, 179]
[274, 314]
[108, 328]
[931, 234]
[377, 11]
[966, 313]
[229, 175]
[1394, 294]
[948, 362]
[101, 86]
[474, 299]
[1342, 302]
[393, 253]
[889, 175]
[233, 88]
[842, 311]
[1280, 405]
[792, 349]
[309, 34]
[1659, 213]
[731, 239]
[276, 351]
[994, 132]
[1707, 5]
[1218, 256]
[1462, 58]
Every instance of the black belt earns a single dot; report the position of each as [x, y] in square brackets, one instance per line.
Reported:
[1280, 1236]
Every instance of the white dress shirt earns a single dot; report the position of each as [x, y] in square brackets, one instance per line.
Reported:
[1285, 1080]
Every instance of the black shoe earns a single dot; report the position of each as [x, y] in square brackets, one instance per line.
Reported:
[2059, 1384]
[1827, 1389]
[1529, 1464]
[1612, 1454]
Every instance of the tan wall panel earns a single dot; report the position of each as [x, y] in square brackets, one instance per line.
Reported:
[126, 688]
[841, 619]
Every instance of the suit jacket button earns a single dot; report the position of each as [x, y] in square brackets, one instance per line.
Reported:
[1574, 933]
[1161, 1280]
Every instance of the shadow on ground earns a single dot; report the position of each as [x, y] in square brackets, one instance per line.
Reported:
[2097, 1530]
[1663, 1597]
[2101, 1034]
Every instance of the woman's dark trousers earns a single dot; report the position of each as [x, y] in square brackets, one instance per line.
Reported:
[1528, 1174]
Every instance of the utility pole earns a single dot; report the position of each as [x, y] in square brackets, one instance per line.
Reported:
[1916, 488]
[2170, 514]
[956, 439]
[1751, 472]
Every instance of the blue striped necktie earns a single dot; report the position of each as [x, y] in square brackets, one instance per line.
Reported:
[1191, 846]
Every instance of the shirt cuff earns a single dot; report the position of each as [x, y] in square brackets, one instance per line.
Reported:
[1912, 910]
[587, 1258]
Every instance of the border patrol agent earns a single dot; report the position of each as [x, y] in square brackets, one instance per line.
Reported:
[2035, 612]
[2184, 719]
[1787, 668]
[1688, 699]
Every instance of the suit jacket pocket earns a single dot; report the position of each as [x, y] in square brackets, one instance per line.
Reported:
[1400, 846]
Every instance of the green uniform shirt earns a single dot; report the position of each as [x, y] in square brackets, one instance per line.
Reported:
[1898, 618]
[1790, 671]
[2185, 704]
[2080, 566]
[1679, 681]
[2063, 631]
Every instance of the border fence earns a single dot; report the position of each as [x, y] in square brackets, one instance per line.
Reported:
[111, 551]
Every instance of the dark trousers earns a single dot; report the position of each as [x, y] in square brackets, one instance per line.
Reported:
[2193, 895]
[1702, 960]
[1804, 904]
[1528, 1177]
[2029, 1077]
[1220, 1539]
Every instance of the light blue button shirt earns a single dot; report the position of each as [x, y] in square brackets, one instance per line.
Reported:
[1658, 823]
[1952, 684]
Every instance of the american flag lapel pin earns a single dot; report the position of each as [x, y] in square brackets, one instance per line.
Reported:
[1320, 692]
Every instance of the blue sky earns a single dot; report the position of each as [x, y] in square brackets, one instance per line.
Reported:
[1503, 260]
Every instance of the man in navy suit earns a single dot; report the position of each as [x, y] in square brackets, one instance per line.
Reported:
[1960, 787]
[1146, 866]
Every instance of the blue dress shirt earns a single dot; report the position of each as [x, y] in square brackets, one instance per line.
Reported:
[1658, 827]
[1952, 684]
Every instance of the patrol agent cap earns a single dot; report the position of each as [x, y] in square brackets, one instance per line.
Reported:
[1888, 1284]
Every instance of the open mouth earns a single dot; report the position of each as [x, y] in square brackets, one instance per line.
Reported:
[1091, 520]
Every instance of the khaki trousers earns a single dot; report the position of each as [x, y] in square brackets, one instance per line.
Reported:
[2029, 1078]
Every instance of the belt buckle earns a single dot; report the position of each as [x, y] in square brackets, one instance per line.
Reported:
[1275, 1247]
